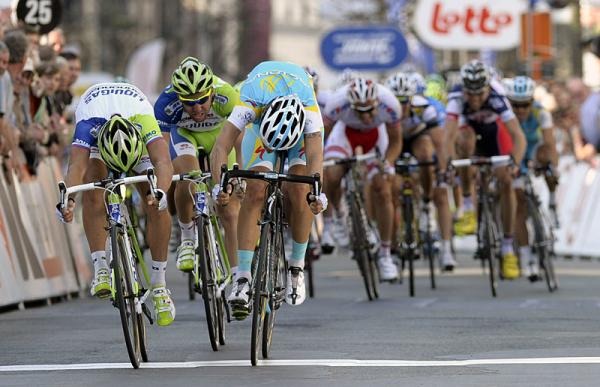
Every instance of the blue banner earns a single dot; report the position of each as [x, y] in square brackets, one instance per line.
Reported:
[364, 48]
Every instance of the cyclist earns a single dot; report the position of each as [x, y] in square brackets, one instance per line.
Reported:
[278, 100]
[116, 129]
[193, 109]
[422, 134]
[541, 148]
[365, 114]
[481, 104]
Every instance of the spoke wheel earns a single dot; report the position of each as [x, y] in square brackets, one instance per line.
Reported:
[260, 297]
[278, 282]
[207, 278]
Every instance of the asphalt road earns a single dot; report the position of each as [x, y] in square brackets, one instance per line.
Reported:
[456, 335]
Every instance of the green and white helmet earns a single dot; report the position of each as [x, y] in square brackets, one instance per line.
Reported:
[120, 144]
[191, 77]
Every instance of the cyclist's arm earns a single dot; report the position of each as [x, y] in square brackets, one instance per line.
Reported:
[450, 132]
[222, 148]
[547, 126]
[313, 148]
[394, 130]
[518, 139]
[159, 155]
[78, 160]
[328, 124]
[437, 137]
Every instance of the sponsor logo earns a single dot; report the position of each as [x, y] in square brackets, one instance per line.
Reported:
[81, 142]
[472, 20]
[250, 102]
[260, 152]
[113, 90]
[221, 99]
[171, 108]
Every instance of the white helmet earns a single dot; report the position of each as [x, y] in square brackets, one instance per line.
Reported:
[475, 76]
[282, 123]
[419, 81]
[520, 88]
[362, 91]
[402, 85]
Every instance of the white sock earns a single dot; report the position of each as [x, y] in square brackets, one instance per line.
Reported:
[187, 231]
[234, 273]
[99, 260]
[467, 203]
[328, 222]
[159, 269]
[446, 247]
[525, 254]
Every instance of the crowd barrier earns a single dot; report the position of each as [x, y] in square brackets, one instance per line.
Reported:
[40, 258]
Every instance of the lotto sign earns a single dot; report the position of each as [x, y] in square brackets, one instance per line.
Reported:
[469, 24]
[45, 14]
[364, 48]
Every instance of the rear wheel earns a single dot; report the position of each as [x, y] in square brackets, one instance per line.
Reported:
[542, 245]
[125, 297]
[489, 248]
[361, 246]
[409, 241]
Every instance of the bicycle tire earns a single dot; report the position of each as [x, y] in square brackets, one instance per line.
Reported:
[489, 252]
[209, 296]
[541, 239]
[278, 280]
[124, 296]
[191, 286]
[374, 275]
[361, 245]
[143, 334]
[409, 240]
[428, 250]
[259, 294]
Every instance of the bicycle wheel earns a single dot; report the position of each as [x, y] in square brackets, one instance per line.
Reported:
[260, 293]
[124, 295]
[409, 241]
[428, 251]
[191, 287]
[542, 242]
[361, 244]
[489, 249]
[209, 294]
[374, 275]
[278, 279]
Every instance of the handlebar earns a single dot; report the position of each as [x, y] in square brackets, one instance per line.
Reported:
[494, 161]
[270, 177]
[349, 160]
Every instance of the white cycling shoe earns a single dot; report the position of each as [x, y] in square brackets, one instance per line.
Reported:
[388, 271]
[295, 291]
[239, 298]
[327, 242]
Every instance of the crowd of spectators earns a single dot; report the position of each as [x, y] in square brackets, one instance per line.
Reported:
[36, 77]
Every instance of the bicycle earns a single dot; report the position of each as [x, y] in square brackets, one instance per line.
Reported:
[211, 273]
[313, 253]
[362, 248]
[410, 241]
[269, 268]
[543, 240]
[488, 232]
[129, 291]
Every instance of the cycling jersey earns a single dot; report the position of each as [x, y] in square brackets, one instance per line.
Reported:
[170, 113]
[440, 108]
[267, 81]
[323, 97]
[102, 101]
[421, 116]
[388, 110]
[272, 79]
[490, 140]
[538, 120]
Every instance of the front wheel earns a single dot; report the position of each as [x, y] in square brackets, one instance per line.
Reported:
[124, 295]
[278, 280]
[260, 294]
[209, 291]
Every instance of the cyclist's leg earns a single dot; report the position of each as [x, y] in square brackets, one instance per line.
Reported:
[254, 157]
[94, 224]
[508, 207]
[465, 147]
[336, 147]
[158, 234]
[522, 234]
[183, 149]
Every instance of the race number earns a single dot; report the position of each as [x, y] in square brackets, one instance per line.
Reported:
[45, 14]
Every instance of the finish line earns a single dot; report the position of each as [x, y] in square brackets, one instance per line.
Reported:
[304, 363]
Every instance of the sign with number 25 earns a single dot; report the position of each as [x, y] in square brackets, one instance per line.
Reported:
[45, 14]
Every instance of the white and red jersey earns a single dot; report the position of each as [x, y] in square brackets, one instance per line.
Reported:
[338, 109]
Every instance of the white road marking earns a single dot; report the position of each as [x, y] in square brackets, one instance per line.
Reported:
[529, 303]
[307, 363]
[425, 303]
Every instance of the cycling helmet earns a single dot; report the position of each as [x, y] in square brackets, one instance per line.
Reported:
[520, 88]
[191, 77]
[475, 76]
[346, 77]
[313, 73]
[282, 123]
[121, 79]
[419, 81]
[362, 91]
[402, 85]
[120, 144]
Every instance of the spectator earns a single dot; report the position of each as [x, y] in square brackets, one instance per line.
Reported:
[44, 110]
[32, 134]
[589, 123]
[64, 96]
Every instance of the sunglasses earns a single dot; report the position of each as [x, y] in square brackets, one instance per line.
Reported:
[403, 100]
[186, 100]
[520, 105]
[475, 92]
[363, 109]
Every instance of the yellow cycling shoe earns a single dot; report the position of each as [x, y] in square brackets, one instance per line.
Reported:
[466, 224]
[164, 307]
[186, 255]
[510, 266]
